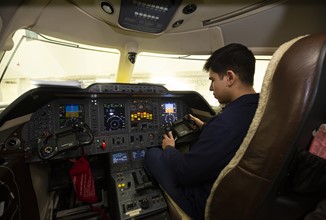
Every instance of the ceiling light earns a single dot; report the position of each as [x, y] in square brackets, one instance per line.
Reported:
[107, 7]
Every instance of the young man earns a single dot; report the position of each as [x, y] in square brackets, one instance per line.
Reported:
[188, 177]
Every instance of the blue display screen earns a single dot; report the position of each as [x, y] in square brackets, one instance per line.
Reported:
[72, 111]
[120, 157]
[138, 154]
[169, 112]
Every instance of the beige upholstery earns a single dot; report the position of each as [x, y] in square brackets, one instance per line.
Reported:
[176, 213]
[288, 91]
[263, 97]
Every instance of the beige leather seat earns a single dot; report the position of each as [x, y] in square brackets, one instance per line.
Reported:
[267, 178]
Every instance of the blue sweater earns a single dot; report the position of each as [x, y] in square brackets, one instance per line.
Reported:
[218, 142]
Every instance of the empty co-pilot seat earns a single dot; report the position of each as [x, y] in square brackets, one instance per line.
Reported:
[262, 181]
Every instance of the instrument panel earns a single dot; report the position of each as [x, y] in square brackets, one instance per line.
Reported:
[113, 124]
[117, 124]
[67, 122]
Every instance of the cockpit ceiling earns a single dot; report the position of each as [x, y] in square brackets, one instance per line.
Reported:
[169, 26]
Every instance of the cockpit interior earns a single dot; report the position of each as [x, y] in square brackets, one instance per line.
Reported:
[111, 125]
[88, 86]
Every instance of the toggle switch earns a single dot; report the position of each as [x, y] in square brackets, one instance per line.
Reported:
[103, 145]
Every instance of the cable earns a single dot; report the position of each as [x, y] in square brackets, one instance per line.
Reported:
[11, 193]
[8, 188]
[4, 209]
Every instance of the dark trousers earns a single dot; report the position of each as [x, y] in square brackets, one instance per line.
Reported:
[156, 168]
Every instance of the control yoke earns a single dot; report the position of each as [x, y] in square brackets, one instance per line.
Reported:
[49, 145]
[184, 130]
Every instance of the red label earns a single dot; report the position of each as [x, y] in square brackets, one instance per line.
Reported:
[318, 144]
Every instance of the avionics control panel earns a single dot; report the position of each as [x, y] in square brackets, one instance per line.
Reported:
[66, 122]
[136, 195]
[116, 124]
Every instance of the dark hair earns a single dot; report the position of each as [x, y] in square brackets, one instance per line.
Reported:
[235, 57]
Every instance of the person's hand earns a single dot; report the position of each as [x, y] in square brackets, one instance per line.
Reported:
[197, 121]
[168, 140]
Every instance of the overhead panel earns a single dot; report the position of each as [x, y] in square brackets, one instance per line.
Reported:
[149, 16]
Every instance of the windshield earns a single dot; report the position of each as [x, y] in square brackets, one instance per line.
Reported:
[37, 59]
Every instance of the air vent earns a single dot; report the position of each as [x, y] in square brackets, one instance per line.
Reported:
[191, 8]
[12, 143]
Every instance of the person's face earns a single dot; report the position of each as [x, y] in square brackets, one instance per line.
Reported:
[220, 88]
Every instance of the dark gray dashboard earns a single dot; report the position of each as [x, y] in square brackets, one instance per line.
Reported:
[117, 123]
[124, 119]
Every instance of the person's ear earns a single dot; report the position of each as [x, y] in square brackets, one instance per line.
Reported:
[230, 75]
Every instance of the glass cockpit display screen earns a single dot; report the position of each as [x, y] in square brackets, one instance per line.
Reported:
[70, 113]
[169, 112]
[138, 154]
[119, 157]
[141, 113]
[114, 117]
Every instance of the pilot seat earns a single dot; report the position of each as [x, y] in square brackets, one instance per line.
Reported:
[273, 175]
